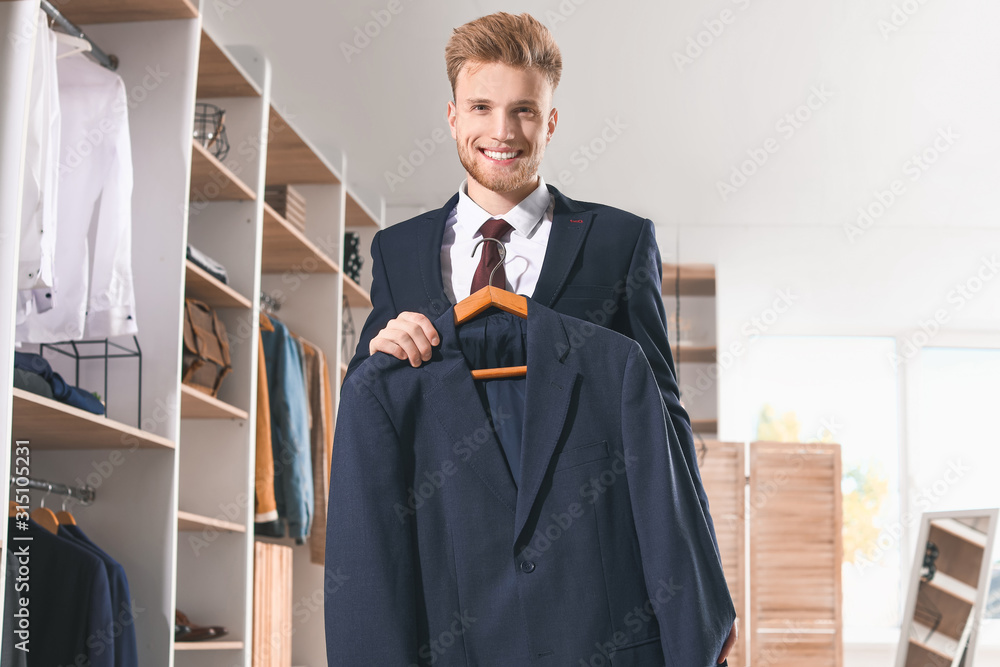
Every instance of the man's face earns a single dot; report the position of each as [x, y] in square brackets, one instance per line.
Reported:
[501, 120]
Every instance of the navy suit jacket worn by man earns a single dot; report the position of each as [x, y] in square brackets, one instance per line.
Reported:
[601, 264]
[601, 554]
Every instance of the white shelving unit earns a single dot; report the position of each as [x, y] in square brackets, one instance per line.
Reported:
[175, 492]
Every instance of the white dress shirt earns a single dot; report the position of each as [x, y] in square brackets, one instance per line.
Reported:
[531, 220]
[37, 246]
[93, 292]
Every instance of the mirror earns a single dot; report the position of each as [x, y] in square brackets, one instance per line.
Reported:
[948, 587]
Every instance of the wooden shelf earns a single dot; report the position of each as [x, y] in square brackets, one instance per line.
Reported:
[199, 405]
[190, 522]
[201, 285]
[357, 297]
[961, 531]
[705, 425]
[213, 181]
[934, 643]
[357, 214]
[208, 645]
[83, 12]
[286, 248]
[961, 550]
[218, 76]
[920, 655]
[696, 279]
[290, 159]
[49, 424]
[695, 354]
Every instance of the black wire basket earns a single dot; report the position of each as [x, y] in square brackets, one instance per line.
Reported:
[210, 129]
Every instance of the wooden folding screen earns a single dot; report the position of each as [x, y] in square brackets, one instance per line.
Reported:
[793, 616]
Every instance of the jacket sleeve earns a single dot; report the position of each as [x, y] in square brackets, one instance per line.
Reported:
[647, 325]
[370, 572]
[383, 307]
[681, 566]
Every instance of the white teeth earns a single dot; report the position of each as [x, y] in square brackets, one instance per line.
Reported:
[499, 156]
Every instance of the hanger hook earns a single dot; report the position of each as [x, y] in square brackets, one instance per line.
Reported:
[503, 254]
[48, 490]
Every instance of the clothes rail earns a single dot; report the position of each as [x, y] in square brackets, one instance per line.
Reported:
[102, 58]
[85, 494]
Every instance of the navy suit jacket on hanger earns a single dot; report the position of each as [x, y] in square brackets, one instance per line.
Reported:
[601, 264]
[601, 553]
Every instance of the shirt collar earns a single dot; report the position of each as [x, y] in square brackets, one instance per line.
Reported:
[523, 218]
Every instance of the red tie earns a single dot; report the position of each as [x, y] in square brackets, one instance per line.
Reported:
[490, 257]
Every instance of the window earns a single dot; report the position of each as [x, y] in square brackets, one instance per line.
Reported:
[842, 390]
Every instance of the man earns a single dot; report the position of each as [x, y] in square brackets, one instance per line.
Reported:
[586, 260]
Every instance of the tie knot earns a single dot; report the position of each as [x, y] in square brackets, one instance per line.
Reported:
[495, 228]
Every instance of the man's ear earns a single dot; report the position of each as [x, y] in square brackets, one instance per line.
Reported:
[553, 120]
[452, 118]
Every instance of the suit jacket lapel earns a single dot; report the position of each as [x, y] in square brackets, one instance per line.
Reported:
[549, 388]
[429, 236]
[570, 224]
[454, 398]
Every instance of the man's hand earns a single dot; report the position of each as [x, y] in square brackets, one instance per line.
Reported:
[728, 646]
[409, 336]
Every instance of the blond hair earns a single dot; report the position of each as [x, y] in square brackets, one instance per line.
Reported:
[519, 41]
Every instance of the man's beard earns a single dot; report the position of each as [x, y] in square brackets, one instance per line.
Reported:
[500, 180]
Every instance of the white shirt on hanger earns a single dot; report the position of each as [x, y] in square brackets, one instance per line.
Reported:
[532, 222]
[94, 296]
[37, 245]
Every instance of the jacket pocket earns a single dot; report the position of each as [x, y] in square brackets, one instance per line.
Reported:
[647, 653]
[588, 292]
[594, 451]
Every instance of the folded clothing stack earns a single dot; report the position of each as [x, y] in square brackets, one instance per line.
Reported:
[210, 265]
[33, 373]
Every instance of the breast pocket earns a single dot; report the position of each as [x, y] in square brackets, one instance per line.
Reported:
[595, 292]
[575, 456]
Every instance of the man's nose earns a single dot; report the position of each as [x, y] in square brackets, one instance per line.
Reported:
[502, 129]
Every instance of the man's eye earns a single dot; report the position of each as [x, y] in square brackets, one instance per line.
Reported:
[478, 107]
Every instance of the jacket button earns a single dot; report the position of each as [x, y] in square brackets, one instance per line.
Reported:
[527, 566]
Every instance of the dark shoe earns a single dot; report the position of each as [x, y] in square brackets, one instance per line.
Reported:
[186, 631]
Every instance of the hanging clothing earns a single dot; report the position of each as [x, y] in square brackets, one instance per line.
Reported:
[265, 510]
[602, 543]
[290, 438]
[93, 294]
[122, 629]
[320, 441]
[37, 245]
[69, 602]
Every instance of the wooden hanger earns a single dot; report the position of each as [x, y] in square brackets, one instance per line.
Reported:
[45, 517]
[492, 297]
[65, 517]
[265, 323]
[12, 509]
